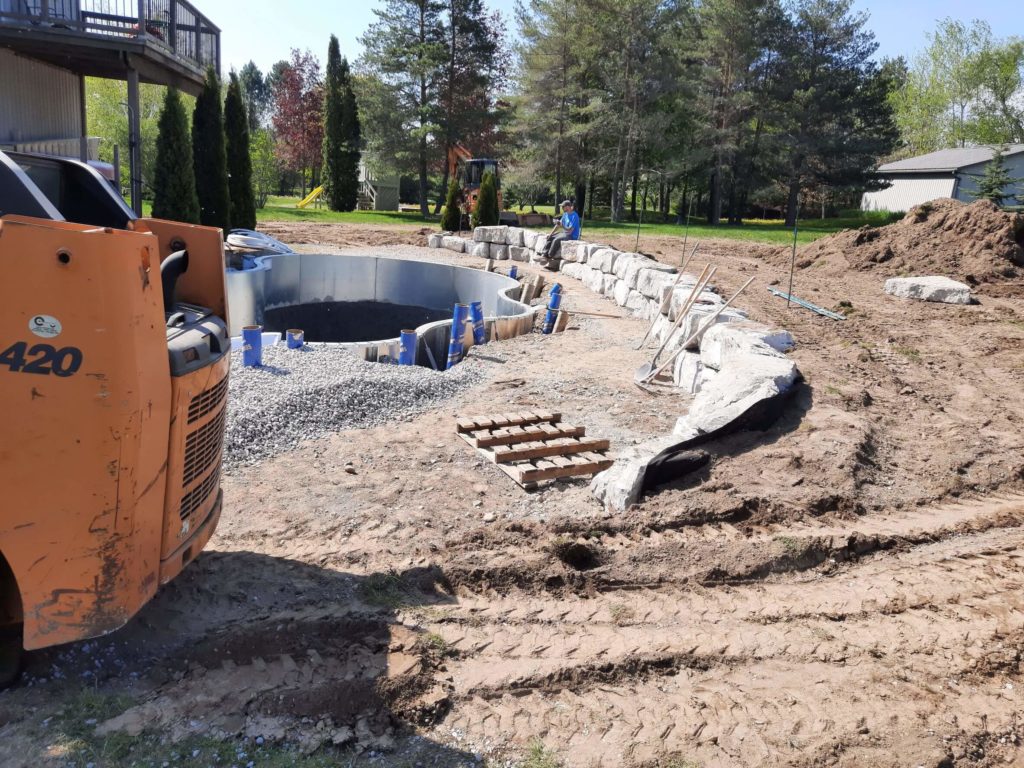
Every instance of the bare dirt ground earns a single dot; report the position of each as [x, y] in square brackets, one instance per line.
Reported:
[845, 589]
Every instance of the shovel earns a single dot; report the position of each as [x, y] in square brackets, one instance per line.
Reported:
[668, 298]
[644, 371]
[695, 335]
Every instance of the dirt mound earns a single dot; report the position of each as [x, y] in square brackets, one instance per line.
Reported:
[977, 243]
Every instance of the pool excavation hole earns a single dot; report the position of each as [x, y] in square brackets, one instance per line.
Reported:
[342, 322]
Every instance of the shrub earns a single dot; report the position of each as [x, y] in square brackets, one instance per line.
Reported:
[451, 216]
[236, 129]
[209, 156]
[174, 182]
[486, 213]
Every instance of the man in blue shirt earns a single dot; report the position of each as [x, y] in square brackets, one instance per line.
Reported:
[566, 228]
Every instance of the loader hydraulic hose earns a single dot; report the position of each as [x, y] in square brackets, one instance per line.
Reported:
[171, 269]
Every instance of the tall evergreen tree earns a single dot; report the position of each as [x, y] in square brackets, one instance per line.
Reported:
[403, 54]
[994, 184]
[209, 156]
[257, 95]
[174, 183]
[236, 130]
[834, 119]
[341, 134]
[451, 217]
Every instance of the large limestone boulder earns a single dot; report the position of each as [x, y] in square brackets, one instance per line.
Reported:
[519, 253]
[499, 251]
[529, 238]
[572, 269]
[491, 234]
[619, 486]
[933, 288]
[654, 284]
[453, 243]
[625, 261]
[483, 250]
[697, 322]
[608, 285]
[748, 379]
[604, 259]
[721, 342]
[633, 268]
[514, 236]
[436, 240]
[570, 250]
[540, 243]
[593, 279]
[686, 372]
[620, 293]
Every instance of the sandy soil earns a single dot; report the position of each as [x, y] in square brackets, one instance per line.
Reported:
[845, 589]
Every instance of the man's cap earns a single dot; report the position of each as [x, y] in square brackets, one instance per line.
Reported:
[567, 202]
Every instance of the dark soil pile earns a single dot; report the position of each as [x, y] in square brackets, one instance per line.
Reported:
[974, 242]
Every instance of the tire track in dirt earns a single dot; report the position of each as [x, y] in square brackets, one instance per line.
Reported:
[763, 673]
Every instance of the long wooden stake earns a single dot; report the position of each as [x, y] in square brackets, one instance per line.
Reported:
[668, 297]
[700, 285]
[696, 334]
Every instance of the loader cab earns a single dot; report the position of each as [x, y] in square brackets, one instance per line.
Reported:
[474, 170]
[60, 189]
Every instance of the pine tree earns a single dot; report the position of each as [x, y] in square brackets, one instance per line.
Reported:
[174, 183]
[486, 213]
[451, 218]
[236, 130]
[992, 184]
[209, 156]
[341, 134]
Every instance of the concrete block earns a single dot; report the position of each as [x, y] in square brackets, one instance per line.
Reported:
[604, 259]
[483, 250]
[721, 342]
[514, 236]
[499, 251]
[453, 243]
[933, 288]
[436, 240]
[747, 380]
[518, 253]
[686, 372]
[619, 487]
[490, 234]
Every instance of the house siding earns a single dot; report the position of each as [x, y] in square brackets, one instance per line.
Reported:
[909, 191]
[38, 102]
[967, 178]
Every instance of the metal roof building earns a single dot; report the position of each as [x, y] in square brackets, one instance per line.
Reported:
[949, 173]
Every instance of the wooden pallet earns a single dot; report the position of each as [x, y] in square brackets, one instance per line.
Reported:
[533, 446]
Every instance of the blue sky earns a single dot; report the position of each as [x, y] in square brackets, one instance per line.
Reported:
[267, 30]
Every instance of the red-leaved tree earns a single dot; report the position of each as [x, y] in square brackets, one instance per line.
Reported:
[298, 116]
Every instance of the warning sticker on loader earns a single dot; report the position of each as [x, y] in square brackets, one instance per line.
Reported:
[45, 326]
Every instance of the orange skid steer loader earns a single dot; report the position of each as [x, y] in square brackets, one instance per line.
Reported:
[114, 358]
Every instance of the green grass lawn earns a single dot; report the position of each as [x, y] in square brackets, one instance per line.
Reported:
[761, 231]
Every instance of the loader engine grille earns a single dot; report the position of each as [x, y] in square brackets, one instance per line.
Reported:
[194, 499]
[207, 401]
[202, 448]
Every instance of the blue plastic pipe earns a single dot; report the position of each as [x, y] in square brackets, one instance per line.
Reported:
[476, 315]
[455, 348]
[407, 348]
[513, 272]
[252, 346]
[553, 304]
[296, 338]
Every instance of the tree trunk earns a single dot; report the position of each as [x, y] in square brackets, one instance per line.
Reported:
[443, 193]
[715, 196]
[580, 193]
[793, 203]
[590, 200]
[424, 205]
[632, 200]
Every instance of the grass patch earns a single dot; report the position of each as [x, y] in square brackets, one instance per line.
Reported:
[790, 546]
[832, 390]
[910, 353]
[539, 757]
[386, 590]
[438, 645]
[621, 613]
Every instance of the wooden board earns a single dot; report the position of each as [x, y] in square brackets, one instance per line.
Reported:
[534, 446]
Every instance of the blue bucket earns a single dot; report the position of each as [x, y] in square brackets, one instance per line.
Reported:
[513, 272]
[476, 315]
[296, 337]
[407, 348]
[455, 348]
[252, 346]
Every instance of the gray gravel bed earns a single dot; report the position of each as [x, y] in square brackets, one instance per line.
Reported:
[309, 393]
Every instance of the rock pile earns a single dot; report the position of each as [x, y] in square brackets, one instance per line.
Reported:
[499, 243]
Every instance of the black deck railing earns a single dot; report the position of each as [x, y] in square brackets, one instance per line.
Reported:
[173, 24]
